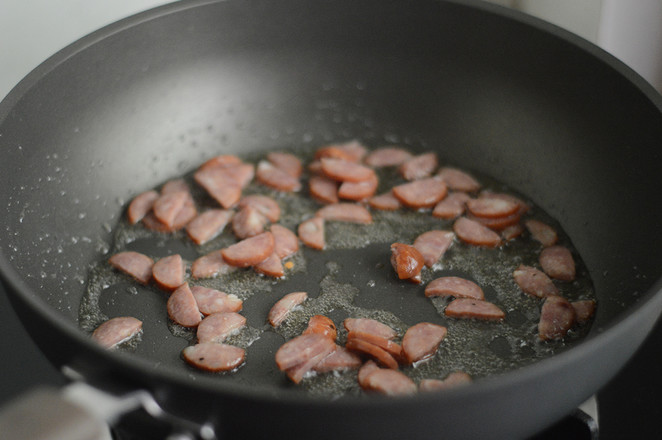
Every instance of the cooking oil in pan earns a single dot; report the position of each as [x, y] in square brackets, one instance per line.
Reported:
[351, 278]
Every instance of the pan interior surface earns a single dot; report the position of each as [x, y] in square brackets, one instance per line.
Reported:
[148, 100]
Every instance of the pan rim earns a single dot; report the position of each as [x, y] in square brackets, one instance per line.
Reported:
[126, 362]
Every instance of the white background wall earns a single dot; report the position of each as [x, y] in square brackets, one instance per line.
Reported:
[32, 30]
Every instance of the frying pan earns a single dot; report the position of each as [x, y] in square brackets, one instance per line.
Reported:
[491, 90]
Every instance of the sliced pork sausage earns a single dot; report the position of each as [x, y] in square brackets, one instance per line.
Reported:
[378, 354]
[468, 308]
[214, 357]
[422, 340]
[207, 225]
[458, 180]
[211, 265]
[390, 383]
[557, 262]
[433, 244]
[419, 167]
[286, 162]
[182, 307]
[454, 286]
[407, 261]
[323, 325]
[368, 325]
[141, 205]
[217, 327]
[285, 241]
[534, 282]
[344, 171]
[248, 222]
[323, 189]
[311, 233]
[455, 379]
[284, 306]
[250, 251]
[345, 212]
[116, 331]
[472, 232]
[271, 176]
[265, 205]
[451, 206]
[424, 193]
[541, 232]
[214, 301]
[385, 202]
[556, 318]
[387, 157]
[168, 273]
[134, 264]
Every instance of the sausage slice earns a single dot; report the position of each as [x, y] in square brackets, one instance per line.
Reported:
[422, 340]
[407, 261]
[385, 344]
[168, 272]
[302, 349]
[584, 310]
[458, 180]
[285, 241]
[344, 171]
[385, 202]
[217, 327]
[286, 162]
[276, 178]
[311, 233]
[419, 167]
[115, 331]
[265, 205]
[211, 265]
[452, 206]
[557, 262]
[390, 383]
[368, 325]
[556, 318]
[182, 307]
[491, 207]
[322, 325]
[387, 157]
[378, 354]
[359, 190]
[284, 306]
[214, 357]
[424, 193]
[340, 359]
[141, 205]
[220, 184]
[271, 267]
[433, 244]
[134, 264]
[454, 286]
[208, 225]
[534, 282]
[455, 379]
[248, 222]
[473, 232]
[323, 189]
[541, 232]
[250, 251]
[345, 212]
[467, 308]
[214, 301]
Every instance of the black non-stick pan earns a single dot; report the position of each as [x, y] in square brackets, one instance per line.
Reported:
[501, 94]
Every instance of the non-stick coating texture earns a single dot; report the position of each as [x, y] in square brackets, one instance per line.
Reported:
[531, 106]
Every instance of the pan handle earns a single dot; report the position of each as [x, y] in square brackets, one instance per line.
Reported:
[82, 412]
